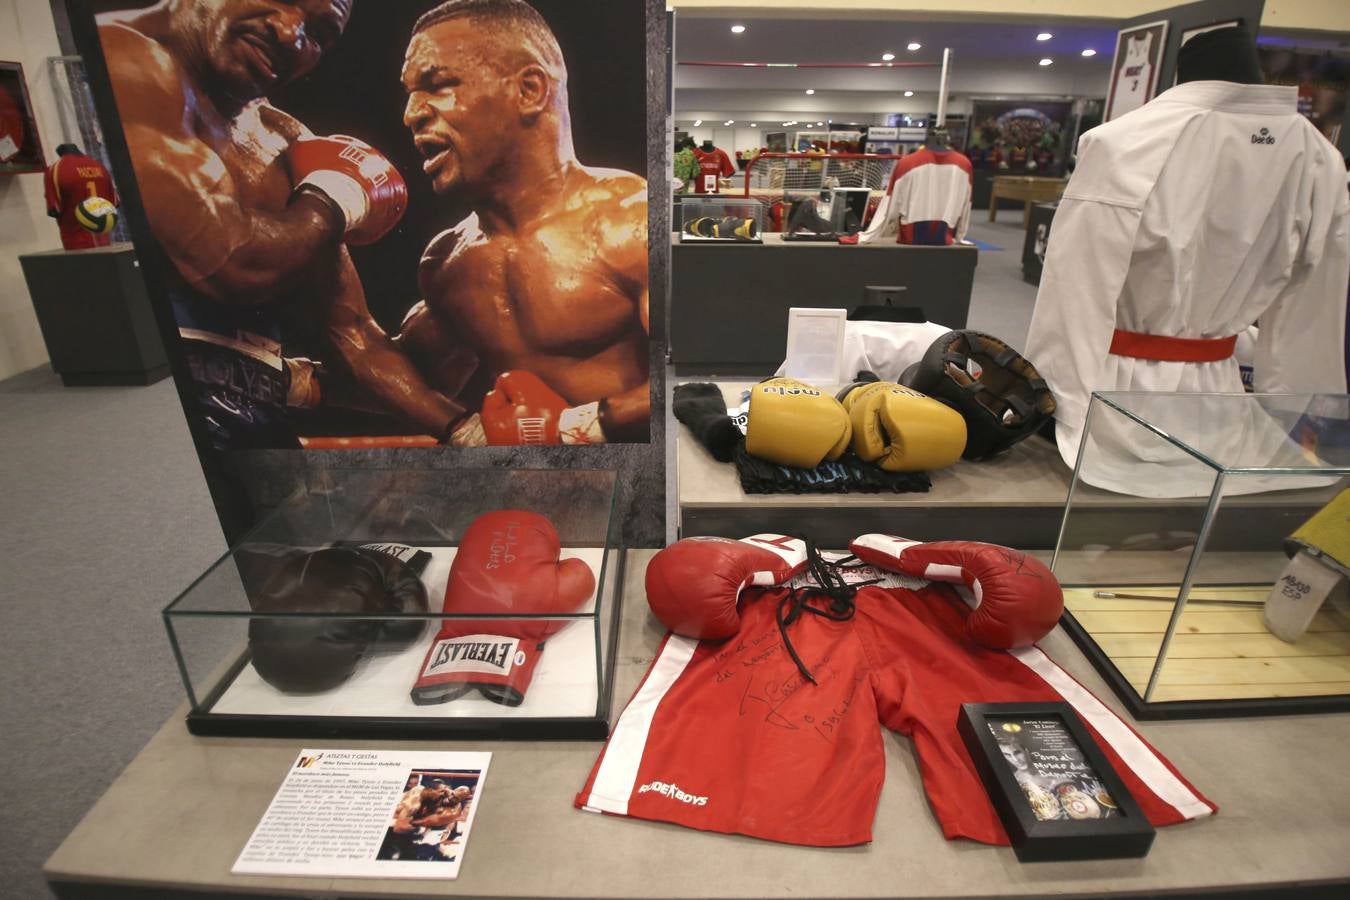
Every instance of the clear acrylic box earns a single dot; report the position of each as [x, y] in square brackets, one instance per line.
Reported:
[699, 214]
[1166, 579]
[253, 664]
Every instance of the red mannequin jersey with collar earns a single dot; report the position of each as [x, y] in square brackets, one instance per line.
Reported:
[71, 180]
[712, 165]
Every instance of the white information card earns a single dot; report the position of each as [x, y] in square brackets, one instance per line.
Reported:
[369, 813]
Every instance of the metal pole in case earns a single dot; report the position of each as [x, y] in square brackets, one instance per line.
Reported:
[942, 87]
[1185, 591]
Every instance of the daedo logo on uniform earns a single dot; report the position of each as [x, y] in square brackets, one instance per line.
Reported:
[673, 792]
[1263, 137]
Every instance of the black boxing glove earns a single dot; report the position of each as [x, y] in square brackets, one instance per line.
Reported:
[401, 569]
[307, 654]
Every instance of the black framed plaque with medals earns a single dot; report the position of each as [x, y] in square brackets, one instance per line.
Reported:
[1054, 790]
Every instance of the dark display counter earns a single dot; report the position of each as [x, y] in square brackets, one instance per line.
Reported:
[729, 302]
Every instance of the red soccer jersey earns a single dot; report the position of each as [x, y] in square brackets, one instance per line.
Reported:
[70, 180]
[711, 166]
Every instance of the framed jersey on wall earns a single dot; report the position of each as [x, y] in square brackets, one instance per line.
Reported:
[1135, 68]
[20, 148]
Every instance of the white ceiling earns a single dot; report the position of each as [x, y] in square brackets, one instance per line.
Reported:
[824, 40]
[988, 58]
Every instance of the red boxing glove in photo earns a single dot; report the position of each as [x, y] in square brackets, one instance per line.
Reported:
[355, 178]
[521, 409]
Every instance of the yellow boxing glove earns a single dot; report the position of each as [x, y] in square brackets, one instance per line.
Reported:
[737, 227]
[902, 430]
[700, 227]
[794, 424]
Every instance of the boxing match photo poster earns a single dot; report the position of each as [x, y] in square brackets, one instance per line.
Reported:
[392, 224]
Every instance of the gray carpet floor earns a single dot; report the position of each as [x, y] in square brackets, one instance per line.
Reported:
[1000, 301]
[104, 519]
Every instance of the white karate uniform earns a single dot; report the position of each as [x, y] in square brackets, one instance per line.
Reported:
[1212, 206]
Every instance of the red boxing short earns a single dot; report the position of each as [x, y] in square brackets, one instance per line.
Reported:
[729, 736]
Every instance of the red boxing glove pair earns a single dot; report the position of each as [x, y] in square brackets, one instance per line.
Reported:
[356, 179]
[693, 586]
[507, 565]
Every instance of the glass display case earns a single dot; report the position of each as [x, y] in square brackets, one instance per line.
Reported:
[721, 220]
[411, 603]
[1188, 584]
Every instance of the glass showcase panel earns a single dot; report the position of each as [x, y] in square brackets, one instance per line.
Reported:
[1223, 578]
[424, 595]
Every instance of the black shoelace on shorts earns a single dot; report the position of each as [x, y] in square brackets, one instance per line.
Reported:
[831, 585]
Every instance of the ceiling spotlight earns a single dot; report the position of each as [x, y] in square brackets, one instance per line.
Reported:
[737, 29]
[754, 124]
[913, 45]
[1047, 62]
[810, 90]
[909, 93]
[698, 122]
[1089, 52]
[888, 56]
[1044, 36]
[729, 122]
[819, 124]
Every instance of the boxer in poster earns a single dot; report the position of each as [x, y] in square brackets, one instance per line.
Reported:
[545, 279]
[255, 213]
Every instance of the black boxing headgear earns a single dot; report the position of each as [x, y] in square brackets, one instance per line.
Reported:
[995, 389]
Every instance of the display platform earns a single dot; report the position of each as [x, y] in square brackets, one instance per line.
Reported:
[95, 316]
[729, 303]
[1016, 499]
[1221, 649]
[1276, 783]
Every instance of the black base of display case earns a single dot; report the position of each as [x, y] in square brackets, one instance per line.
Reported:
[95, 316]
[1192, 709]
[115, 379]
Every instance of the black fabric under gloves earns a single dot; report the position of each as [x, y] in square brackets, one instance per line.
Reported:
[848, 474]
[701, 408]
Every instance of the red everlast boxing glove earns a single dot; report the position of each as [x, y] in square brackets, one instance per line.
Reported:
[507, 565]
[1017, 601]
[521, 409]
[356, 179]
[694, 585]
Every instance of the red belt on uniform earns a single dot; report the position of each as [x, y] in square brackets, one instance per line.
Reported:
[1171, 349]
